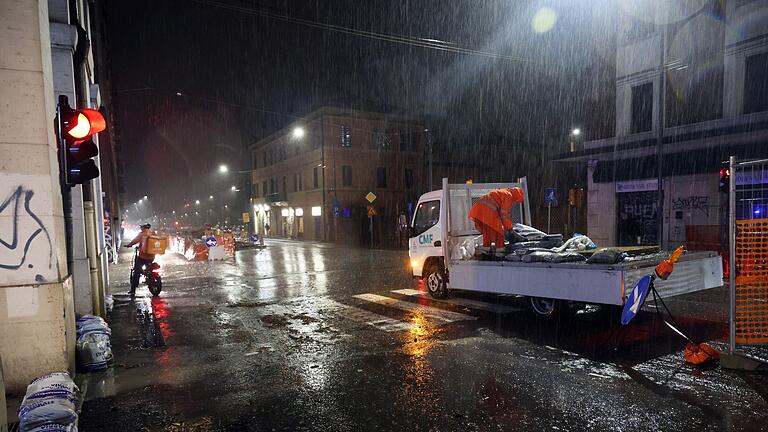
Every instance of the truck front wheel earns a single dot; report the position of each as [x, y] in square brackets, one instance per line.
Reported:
[435, 281]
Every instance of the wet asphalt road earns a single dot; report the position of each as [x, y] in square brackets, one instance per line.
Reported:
[302, 336]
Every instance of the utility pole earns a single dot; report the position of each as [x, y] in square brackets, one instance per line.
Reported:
[660, 137]
[429, 160]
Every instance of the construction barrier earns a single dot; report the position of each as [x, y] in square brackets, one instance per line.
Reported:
[227, 241]
[751, 314]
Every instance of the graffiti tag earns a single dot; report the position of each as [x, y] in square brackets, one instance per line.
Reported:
[698, 203]
[20, 243]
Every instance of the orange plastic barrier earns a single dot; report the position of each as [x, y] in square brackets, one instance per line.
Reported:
[228, 241]
[751, 281]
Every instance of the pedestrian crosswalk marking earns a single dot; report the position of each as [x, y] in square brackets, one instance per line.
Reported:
[428, 311]
[381, 322]
[469, 303]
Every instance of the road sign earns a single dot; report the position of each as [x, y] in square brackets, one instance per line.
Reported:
[372, 211]
[635, 299]
[371, 197]
[211, 241]
[550, 195]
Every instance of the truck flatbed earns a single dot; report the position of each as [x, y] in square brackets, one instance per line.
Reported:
[579, 281]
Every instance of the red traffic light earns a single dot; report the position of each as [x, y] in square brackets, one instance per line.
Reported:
[83, 123]
[75, 134]
[725, 172]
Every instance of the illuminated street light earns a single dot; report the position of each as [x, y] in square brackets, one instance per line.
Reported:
[210, 197]
[197, 202]
[223, 169]
[298, 132]
[576, 132]
[145, 197]
[233, 188]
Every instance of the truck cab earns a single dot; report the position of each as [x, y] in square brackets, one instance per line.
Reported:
[425, 238]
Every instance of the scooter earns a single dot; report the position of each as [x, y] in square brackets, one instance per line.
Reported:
[151, 273]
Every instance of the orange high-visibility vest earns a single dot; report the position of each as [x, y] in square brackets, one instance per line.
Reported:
[495, 208]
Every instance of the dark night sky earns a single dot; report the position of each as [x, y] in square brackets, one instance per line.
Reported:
[243, 76]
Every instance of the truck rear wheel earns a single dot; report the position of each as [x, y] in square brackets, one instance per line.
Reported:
[545, 308]
[435, 282]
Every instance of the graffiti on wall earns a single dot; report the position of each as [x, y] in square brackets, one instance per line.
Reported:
[637, 222]
[693, 203]
[24, 241]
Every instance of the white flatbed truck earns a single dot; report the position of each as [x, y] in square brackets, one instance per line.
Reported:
[440, 225]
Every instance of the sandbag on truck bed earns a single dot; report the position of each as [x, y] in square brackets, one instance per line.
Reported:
[552, 257]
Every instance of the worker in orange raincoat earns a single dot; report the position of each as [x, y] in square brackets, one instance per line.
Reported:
[492, 214]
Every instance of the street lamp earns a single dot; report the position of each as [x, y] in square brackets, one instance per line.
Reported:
[575, 134]
[298, 132]
[233, 188]
[197, 202]
[223, 169]
[210, 197]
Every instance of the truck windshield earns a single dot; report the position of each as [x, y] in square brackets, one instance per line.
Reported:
[427, 215]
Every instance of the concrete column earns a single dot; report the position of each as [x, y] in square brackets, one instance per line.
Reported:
[36, 306]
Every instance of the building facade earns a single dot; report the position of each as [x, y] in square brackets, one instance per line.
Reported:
[311, 178]
[48, 271]
[694, 87]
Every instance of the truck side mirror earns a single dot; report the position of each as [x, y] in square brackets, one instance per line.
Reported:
[411, 231]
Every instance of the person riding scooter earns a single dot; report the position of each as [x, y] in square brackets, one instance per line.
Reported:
[143, 259]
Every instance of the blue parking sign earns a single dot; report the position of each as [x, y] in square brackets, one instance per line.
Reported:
[550, 195]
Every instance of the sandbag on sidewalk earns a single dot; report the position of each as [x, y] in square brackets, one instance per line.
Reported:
[49, 404]
[94, 347]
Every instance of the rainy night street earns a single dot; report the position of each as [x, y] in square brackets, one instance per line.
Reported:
[311, 336]
[383, 215]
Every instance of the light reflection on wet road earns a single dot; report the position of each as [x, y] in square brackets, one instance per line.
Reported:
[301, 336]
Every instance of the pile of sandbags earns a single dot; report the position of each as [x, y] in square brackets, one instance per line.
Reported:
[94, 348]
[49, 405]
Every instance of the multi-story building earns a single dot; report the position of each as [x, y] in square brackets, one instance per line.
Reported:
[310, 179]
[698, 84]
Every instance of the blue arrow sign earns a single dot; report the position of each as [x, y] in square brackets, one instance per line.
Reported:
[635, 299]
[211, 241]
[550, 195]
[254, 238]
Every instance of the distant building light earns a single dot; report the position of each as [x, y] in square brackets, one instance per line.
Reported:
[316, 210]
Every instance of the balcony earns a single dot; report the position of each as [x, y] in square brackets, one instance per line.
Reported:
[275, 198]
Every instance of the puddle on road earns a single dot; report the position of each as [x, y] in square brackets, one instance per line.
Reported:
[150, 313]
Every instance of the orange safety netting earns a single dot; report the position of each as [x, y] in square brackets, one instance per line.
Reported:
[751, 281]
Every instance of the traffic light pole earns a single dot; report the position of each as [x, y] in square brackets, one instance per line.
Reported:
[66, 191]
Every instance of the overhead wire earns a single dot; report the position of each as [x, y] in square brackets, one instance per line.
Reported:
[387, 37]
